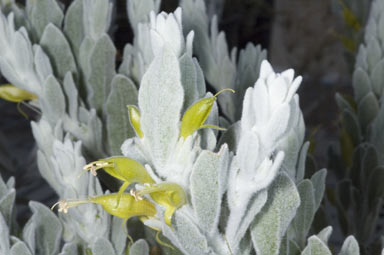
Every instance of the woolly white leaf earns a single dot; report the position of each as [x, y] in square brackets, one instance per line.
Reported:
[160, 102]
[271, 224]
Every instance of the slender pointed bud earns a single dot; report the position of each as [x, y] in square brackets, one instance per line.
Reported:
[134, 117]
[128, 206]
[170, 195]
[11, 93]
[197, 114]
[122, 168]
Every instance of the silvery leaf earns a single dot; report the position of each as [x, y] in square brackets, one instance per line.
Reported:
[140, 247]
[185, 235]
[102, 246]
[4, 235]
[138, 11]
[324, 234]
[43, 12]
[350, 247]
[316, 247]
[58, 49]
[47, 229]
[102, 71]
[72, 25]
[368, 108]
[69, 249]
[306, 211]
[271, 223]
[160, 102]
[123, 93]
[318, 182]
[53, 101]
[20, 248]
[205, 190]
[96, 17]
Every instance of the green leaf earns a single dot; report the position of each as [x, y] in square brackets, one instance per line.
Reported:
[316, 247]
[43, 12]
[272, 222]
[123, 93]
[140, 247]
[57, 47]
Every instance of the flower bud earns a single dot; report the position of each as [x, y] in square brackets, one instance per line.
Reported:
[11, 93]
[169, 195]
[134, 117]
[197, 114]
[127, 208]
[122, 168]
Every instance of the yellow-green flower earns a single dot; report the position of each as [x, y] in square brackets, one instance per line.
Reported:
[195, 116]
[127, 208]
[11, 93]
[169, 195]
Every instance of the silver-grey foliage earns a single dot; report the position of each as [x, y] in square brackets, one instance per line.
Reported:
[246, 194]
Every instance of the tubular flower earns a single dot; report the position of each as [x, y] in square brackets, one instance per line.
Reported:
[197, 114]
[122, 168]
[127, 208]
[169, 195]
[11, 93]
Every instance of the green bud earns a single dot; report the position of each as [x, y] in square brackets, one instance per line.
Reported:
[197, 114]
[127, 208]
[134, 117]
[11, 93]
[122, 168]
